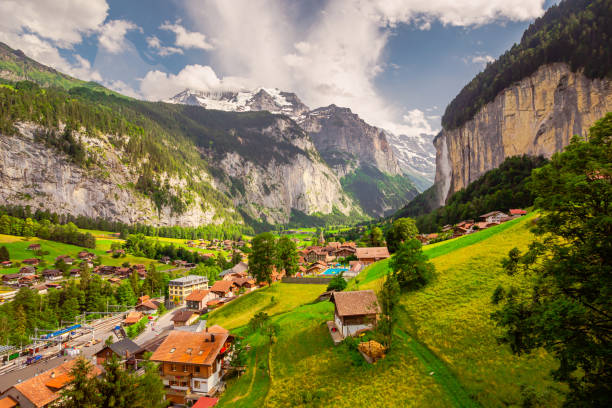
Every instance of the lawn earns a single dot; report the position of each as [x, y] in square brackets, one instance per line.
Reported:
[275, 299]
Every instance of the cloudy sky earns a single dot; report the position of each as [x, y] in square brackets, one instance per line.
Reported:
[397, 63]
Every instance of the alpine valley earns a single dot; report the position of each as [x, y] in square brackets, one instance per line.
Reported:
[257, 157]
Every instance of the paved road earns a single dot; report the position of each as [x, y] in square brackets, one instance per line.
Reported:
[156, 328]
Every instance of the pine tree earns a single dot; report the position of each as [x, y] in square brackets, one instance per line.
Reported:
[287, 256]
[4, 254]
[263, 257]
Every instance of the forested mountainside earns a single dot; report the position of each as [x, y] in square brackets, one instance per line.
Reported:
[499, 189]
[552, 85]
[359, 154]
[88, 151]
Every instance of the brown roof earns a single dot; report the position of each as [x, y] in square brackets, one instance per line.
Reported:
[491, 213]
[182, 316]
[372, 252]
[190, 347]
[361, 302]
[42, 389]
[133, 317]
[221, 286]
[197, 295]
[7, 402]
[149, 304]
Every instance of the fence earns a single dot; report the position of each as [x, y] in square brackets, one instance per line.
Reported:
[318, 281]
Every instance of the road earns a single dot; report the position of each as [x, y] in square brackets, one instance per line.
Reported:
[103, 329]
[156, 328]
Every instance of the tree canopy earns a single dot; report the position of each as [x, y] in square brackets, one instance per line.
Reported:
[568, 308]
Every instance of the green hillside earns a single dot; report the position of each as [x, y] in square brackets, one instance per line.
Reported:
[445, 350]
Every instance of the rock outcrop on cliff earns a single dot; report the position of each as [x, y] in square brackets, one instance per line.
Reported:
[536, 116]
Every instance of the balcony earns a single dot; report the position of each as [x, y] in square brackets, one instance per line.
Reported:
[181, 388]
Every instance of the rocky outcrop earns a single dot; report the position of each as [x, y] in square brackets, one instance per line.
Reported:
[41, 177]
[346, 142]
[536, 116]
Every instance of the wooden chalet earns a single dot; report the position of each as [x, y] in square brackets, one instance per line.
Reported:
[123, 349]
[493, 217]
[33, 247]
[371, 254]
[355, 311]
[31, 261]
[184, 318]
[191, 363]
[196, 301]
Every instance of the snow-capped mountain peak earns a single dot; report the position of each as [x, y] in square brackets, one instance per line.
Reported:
[259, 99]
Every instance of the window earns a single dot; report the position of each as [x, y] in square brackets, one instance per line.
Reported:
[196, 384]
[197, 369]
[173, 367]
[185, 368]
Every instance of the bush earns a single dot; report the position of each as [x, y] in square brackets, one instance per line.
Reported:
[338, 283]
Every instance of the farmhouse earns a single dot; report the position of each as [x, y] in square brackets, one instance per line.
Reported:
[191, 363]
[6, 264]
[132, 318]
[31, 261]
[372, 254]
[354, 311]
[517, 211]
[33, 247]
[52, 274]
[239, 269]
[222, 288]
[493, 217]
[146, 305]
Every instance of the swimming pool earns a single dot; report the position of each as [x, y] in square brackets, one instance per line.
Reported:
[333, 271]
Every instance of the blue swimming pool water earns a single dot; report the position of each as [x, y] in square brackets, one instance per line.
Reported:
[334, 271]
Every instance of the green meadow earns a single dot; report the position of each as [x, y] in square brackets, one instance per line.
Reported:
[445, 351]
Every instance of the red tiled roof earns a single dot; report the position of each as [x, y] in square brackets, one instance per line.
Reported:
[517, 211]
[197, 295]
[221, 286]
[206, 402]
[7, 402]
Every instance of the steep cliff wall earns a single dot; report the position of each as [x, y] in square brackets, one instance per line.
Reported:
[41, 177]
[536, 116]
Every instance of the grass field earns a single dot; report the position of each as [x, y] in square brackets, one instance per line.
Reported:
[275, 299]
[18, 251]
[445, 350]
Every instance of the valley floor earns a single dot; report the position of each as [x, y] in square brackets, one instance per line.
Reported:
[445, 352]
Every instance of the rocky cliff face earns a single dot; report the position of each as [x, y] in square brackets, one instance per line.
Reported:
[36, 175]
[536, 116]
[302, 182]
[347, 142]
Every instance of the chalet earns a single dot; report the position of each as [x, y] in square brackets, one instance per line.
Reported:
[184, 318]
[372, 254]
[75, 272]
[245, 283]
[354, 268]
[123, 272]
[191, 363]
[84, 255]
[34, 247]
[6, 264]
[66, 258]
[484, 225]
[493, 217]
[41, 289]
[142, 274]
[115, 280]
[28, 280]
[52, 274]
[447, 228]
[45, 388]
[517, 212]
[105, 269]
[344, 252]
[355, 311]
[147, 306]
[316, 268]
[118, 252]
[124, 349]
[132, 318]
[27, 270]
[31, 261]
[165, 260]
[222, 288]
[238, 270]
[196, 301]
[11, 278]
[51, 285]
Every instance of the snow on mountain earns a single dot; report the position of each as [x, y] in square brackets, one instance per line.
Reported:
[416, 156]
[268, 99]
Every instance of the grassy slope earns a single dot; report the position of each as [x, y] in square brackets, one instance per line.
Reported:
[445, 351]
[17, 248]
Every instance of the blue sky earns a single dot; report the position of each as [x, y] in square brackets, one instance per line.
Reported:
[395, 62]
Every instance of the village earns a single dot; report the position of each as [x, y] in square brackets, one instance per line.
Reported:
[172, 331]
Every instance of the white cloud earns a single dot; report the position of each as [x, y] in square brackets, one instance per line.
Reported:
[158, 85]
[154, 43]
[186, 39]
[481, 59]
[112, 35]
[334, 55]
